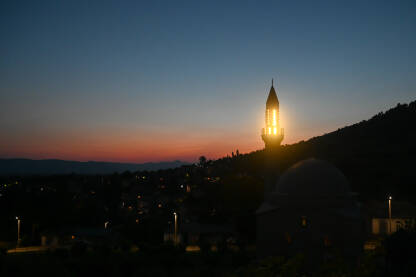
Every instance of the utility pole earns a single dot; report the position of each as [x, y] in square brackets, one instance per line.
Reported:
[175, 239]
[390, 215]
[18, 230]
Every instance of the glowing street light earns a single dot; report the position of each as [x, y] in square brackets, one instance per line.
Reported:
[18, 230]
[390, 198]
[175, 239]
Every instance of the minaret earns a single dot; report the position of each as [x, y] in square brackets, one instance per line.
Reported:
[272, 136]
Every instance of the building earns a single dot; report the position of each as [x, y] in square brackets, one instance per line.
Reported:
[272, 135]
[193, 235]
[311, 211]
[386, 218]
[308, 209]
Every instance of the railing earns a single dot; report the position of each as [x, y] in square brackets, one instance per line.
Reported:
[281, 133]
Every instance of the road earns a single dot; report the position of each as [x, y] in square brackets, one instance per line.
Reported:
[27, 249]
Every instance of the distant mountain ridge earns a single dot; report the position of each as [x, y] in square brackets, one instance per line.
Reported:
[53, 166]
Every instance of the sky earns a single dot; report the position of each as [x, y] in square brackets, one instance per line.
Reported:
[138, 81]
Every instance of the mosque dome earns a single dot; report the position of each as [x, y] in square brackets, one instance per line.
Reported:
[313, 177]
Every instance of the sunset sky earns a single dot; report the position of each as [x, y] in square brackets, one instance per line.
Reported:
[137, 81]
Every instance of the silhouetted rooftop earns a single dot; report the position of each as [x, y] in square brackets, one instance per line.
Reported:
[313, 177]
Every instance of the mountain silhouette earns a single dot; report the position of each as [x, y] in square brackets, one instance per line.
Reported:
[51, 167]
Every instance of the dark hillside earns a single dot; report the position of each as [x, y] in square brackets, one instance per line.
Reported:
[376, 155]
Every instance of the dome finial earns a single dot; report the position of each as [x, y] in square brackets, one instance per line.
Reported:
[272, 81]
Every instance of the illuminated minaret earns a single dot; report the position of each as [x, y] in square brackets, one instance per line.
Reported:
[272, 136]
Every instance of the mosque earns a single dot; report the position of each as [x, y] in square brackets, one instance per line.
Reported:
[307, 209]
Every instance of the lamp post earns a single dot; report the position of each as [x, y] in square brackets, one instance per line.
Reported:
[176, 229]
[18, 230]
[390, 215]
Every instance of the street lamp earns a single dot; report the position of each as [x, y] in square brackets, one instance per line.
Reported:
[390, 198]
[18, 230]
[175, 239]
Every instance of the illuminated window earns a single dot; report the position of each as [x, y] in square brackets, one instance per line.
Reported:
[267, 117]
[270, 130]
[304, 222]
[274, 118]
[274, 130]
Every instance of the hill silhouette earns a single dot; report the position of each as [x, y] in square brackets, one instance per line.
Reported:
[50, 167]
[376, 155]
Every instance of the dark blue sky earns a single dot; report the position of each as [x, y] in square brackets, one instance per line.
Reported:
[158, 80]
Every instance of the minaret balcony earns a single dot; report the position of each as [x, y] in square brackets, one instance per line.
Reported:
[272, 140]
[272, 131]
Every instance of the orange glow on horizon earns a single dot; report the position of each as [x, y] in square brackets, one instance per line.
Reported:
[143, 145]
[131, 146]
[139, 150]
